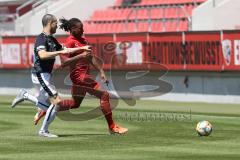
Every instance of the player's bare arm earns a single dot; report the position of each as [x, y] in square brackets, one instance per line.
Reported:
[80, 49]
[47, 55]
[75, 59]
[97, 63]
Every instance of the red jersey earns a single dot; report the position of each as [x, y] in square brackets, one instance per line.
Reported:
[79, 70]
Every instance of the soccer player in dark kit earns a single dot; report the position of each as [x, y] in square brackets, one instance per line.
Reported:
[45, 50]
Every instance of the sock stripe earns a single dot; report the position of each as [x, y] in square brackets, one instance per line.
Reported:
[50, 113]
[43, 104]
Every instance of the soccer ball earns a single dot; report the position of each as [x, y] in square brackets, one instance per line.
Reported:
[204, 128]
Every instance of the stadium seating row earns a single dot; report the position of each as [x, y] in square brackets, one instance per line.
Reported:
[157, 26]
[135, 15]
[154, 13]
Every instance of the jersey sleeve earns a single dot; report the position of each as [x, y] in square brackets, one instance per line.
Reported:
[59, 47]
[69, 43]
[40, 43]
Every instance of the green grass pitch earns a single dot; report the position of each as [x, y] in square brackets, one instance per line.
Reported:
[157, 130]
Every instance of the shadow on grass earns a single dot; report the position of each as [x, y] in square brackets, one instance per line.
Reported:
[83, 134]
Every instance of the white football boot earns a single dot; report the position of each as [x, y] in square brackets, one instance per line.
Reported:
[20, 98]
[47, 134]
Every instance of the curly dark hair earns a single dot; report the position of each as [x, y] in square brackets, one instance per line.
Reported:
[67, 25]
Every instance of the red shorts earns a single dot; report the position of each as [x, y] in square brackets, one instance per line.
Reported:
[84, 83]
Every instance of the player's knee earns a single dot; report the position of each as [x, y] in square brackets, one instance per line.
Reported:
[105, 96]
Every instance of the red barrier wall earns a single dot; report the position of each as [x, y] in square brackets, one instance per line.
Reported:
[190, 51]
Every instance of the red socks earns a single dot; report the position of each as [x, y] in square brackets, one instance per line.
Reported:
[106, 109]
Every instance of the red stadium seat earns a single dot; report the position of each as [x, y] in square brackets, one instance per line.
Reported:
[108, 15]
[142, 14]
[183, 25]
[119, 28]
[96, 16]
[142, 26]
[157, 26]
[171, 13]
[130, 27]
[116, 14]
[157, 13]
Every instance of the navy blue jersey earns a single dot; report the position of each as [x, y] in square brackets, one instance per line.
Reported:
[49, 44]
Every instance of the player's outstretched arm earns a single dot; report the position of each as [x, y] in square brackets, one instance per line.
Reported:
[73, 60]
[80, 49]
[47, 55]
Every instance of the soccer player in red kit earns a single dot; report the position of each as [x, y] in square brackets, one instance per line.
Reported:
[79, 73]
[82, 81]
